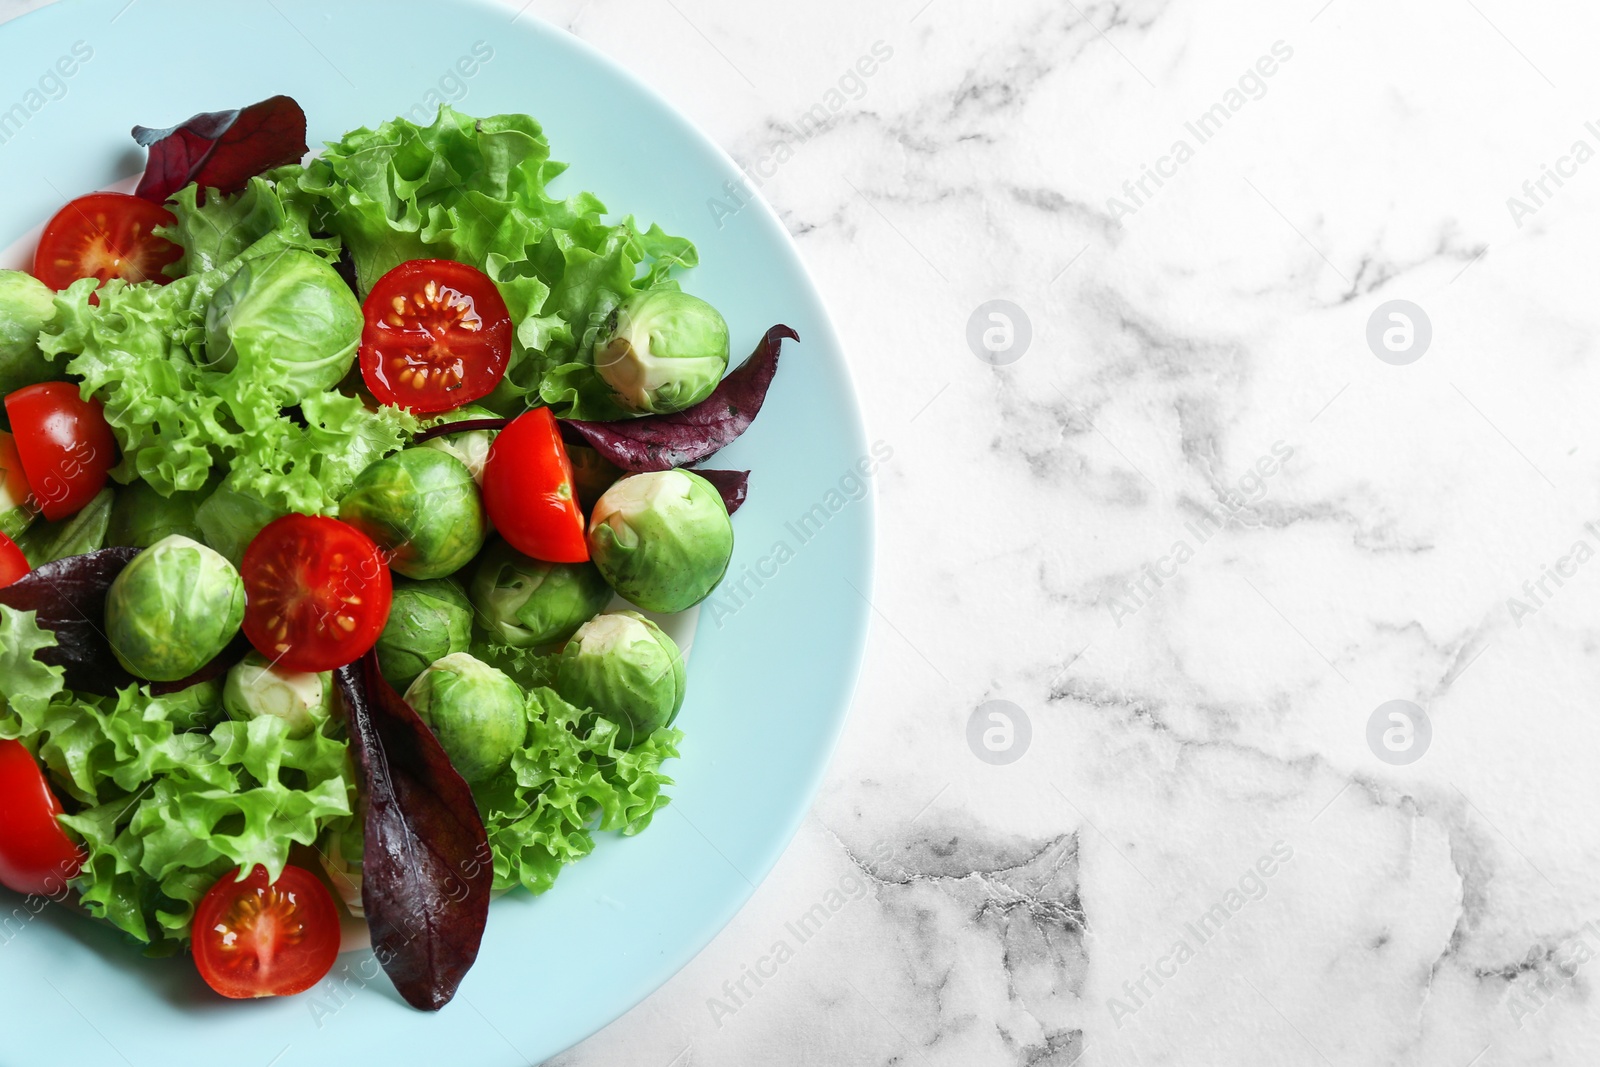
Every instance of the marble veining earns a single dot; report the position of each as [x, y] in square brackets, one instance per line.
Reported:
[1195, 532]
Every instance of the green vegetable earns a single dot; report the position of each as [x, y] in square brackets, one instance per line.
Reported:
[231, 518]
[475, 711]
[84, 531]
[666, 351]
[290, 312]
[422, 506]
[624, 667]
[26, 305]
[570, 779]
[341, 851]
[140, 516]
[427, 621]
[256, 687]
[526, 602]
[142, 351]
[172, 609]
[474, 190]
[662, 539]
[167, 806]
[471, 447]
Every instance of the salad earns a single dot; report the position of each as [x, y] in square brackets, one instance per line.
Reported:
[341, 502]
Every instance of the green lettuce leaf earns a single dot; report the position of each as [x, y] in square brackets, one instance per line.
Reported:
[569, 781]
[173, 793]
[476, 191]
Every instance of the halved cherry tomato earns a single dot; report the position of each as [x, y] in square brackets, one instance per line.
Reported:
[36, 855]
[64, 443]
[104, 236]
[13, 564]
[529, 493]
[257, 938]
[317, 592]
[438, 335]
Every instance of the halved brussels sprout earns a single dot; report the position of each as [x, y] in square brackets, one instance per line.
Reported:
[427, 621]
[255, 688]
[662, 539]
[624, 667]
[666, 351]
[422, 506]
[289, 314]
[172, 609]
[527, 602]
[471, 447]
[477, 713]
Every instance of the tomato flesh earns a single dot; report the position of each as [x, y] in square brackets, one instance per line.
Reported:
[105, 236]
[257, 938]
[36, 855]
[65, 445]
[529, 493]
[13, 564]
[317, 592]
[437, 336]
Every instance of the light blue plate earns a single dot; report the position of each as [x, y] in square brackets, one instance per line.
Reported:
[770, 681]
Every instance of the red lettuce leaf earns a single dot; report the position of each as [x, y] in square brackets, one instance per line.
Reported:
[733, 485]
[427, 870]
[222, 150]
[69, 597]
[661, 442]
[461, 426]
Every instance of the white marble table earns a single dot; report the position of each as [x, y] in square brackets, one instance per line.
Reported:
[1198, 530]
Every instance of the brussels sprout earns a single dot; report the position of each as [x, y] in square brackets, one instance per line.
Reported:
[288, 314]
[471, 447]
[662, 539]
[17, 509]
[666, 351]
[421, 505]
[256, 688]
[141, 516]
[342, 852]
[526, 602]
[172, 609]
[624, 667]
[26, 305]
[230, 519]
[427, 621]
[476, 712]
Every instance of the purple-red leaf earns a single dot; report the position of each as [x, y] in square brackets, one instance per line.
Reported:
[427, 870]
[222, 150]
[661, 442]
[69, 597]
[733, 485]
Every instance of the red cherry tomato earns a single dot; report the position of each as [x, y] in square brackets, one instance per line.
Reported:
[438, 335]
[528, 490]
[266, 939]
[36, 855]
[104, 236]
[64, 443]
[317, 592]
[13, 564]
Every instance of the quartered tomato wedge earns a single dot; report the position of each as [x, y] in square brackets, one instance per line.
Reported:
[257, 938]
[437, 336]
[65, 445]
[317, 592]
[36, 855]
[13, 564]
[529, 493]
[105, 236]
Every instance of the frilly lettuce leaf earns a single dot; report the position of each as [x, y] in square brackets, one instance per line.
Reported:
[476, 191]
[569, 780]
[170, 801]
